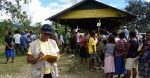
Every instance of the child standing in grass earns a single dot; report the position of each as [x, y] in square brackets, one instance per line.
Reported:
[9, 51]
[109, 67]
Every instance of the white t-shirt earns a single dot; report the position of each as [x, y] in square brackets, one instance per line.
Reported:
[78, 37]
[116, 39]
[47, 48]
[53, 47]
[103, 37]
[17, 38]
[96, 40]
[61, 39]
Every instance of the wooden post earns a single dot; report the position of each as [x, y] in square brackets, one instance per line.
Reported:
[98, 25]
[65, 29]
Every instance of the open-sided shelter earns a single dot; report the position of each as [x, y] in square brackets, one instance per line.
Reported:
[87, 13]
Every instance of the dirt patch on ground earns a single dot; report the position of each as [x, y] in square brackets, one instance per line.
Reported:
[70, 67]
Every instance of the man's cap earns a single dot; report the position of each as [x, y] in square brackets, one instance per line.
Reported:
[46, 28]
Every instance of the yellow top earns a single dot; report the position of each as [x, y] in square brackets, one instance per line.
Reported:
[45, 49]
[91, 43]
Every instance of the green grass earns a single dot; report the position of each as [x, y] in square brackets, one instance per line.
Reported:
[68, 67]
[12, 68]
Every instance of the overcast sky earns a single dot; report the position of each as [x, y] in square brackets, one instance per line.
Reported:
[39, 10]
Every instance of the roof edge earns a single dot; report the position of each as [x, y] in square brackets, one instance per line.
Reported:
[75, 5]
[66, 10]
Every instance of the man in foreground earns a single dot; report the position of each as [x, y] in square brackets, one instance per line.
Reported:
[40, 48]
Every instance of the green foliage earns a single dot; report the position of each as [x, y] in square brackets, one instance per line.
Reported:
[37, 27]
[14, 10]
[141, 9]
[26, 23]
[60, 28]
[5, 26]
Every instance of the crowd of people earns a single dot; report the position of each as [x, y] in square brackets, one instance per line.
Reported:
[18, 43]
[118, 53]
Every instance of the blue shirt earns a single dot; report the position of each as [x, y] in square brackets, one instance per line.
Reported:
[109, 49]
[126, 33]
[24, 42]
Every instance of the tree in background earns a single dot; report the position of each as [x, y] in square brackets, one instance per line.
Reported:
[12, 8]
[141, 9]
[60, 28]
[4, 26]
[37, 27]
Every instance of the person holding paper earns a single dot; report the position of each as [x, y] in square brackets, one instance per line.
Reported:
[40, 48]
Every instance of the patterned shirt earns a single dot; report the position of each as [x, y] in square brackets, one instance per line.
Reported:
[120, 47]
[147, 43]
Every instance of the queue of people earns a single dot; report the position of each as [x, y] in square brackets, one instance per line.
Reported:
[116, 53]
